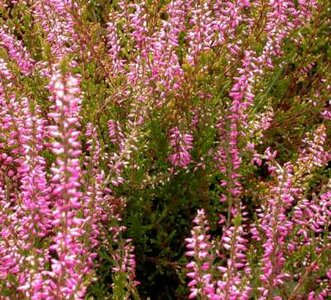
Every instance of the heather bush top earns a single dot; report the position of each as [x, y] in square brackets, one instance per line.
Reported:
[165, 149]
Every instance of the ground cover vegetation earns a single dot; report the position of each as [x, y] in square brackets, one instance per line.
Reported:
[165, 149]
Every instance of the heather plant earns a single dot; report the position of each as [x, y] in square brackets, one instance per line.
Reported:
[165, 149]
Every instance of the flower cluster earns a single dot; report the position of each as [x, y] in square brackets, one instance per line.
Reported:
[182, 145]
[200, 249]
[16, 51]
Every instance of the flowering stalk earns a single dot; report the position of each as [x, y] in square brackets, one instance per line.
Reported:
[35, 193]
[68, 268]
[58, 26]
[235, 279]
[95, 194]
[200, 249]
[114, 47]
[276, 227]
[181, 145]
[105, 214]
[16, 51]
[124, 270]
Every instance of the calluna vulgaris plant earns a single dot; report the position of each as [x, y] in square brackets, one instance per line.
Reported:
[165, 149]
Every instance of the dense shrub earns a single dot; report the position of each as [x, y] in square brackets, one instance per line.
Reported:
[165, 149]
